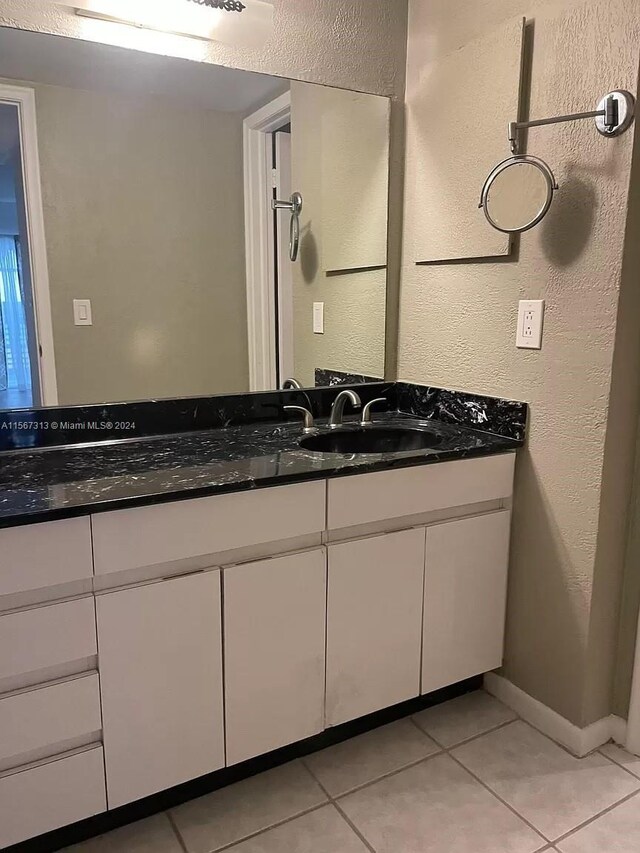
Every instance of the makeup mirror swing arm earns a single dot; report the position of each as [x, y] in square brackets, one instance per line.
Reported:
[613, 122]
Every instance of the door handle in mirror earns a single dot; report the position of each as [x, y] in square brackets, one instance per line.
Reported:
[294, 205]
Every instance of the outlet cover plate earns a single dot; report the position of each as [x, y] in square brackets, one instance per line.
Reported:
[82, 312]
[530, 323]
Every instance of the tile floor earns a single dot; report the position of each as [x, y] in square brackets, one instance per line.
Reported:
[464, 777]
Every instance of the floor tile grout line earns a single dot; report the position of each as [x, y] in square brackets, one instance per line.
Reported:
[340, 811]
[425, 733]
[315, 778]
[575, 829]
[176, 831]
[544, 840]
[618, 763]
[591, 820]
[561, 745]
[543, 837]
[352, 826]
[552, 842]
[271, 826]
[358, 788]
[468, 739]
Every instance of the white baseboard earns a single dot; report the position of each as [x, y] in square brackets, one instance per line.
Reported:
[618, 729]
[578, 741]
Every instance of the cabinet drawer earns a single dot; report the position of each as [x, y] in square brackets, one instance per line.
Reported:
[50, 796]
[147, 536]
[47, 636]
[41, 555]
[48, 716]
[394, 494]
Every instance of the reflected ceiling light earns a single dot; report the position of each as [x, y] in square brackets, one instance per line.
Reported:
[233, 21]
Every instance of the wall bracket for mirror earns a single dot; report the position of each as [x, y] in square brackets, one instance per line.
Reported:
[518, 192]
[294, 206]
[613, 116]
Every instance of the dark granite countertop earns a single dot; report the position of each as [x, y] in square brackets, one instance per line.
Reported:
[48, 483]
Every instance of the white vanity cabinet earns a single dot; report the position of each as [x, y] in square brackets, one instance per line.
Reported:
[179, 638]
[465, 593]
[274, 652]
[374, 623]
[160, 652]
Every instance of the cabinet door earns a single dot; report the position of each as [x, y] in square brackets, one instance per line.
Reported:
[274, 630]
[374, 623]
[160, 657]
[464, 598]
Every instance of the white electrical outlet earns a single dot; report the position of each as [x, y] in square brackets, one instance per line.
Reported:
[530, 322]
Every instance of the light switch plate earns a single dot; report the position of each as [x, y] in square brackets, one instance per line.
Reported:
[82, 312]
[318, 318]
[530, 323]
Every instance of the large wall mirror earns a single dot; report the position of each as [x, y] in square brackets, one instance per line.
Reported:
[140, 256]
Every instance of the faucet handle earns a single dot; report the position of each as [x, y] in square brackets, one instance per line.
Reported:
[291, 384]
[308, 417]
[366, 412]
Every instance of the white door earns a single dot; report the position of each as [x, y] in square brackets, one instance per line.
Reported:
[274, 650]
[160, 660]
[284, 267]
[374, 623]
[464, 598]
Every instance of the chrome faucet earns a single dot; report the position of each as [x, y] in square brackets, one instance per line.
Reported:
[306, 414]
[290, 384]
[366, 412]
[337, 410]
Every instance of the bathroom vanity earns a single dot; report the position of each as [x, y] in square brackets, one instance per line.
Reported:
[147, 639]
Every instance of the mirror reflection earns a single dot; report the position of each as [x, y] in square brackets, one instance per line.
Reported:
[140, 256]
[518, 194]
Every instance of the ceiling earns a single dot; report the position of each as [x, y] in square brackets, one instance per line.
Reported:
[58, 61]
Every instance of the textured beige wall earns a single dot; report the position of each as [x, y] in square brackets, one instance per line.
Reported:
[355, 180]
[354, 302]
[144, 216]
[359, 44]
[457, 151]
[457, 329]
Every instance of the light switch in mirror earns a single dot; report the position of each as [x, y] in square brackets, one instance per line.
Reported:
[144, 183]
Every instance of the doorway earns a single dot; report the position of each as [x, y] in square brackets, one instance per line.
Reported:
[283, 273]
[267, 175]
[27, 367]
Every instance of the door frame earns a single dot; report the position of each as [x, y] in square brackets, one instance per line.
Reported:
[25, 100]
[259, 240]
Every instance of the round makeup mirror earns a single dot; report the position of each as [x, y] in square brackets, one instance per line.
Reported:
[518, 193]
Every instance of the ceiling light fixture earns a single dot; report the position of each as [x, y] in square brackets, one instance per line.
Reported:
[231, 21]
